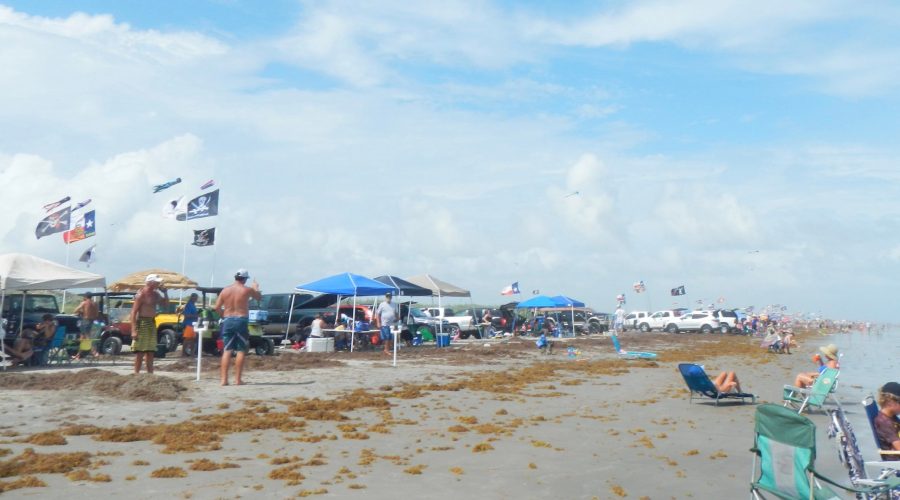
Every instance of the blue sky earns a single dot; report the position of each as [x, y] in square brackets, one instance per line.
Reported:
[396, 137]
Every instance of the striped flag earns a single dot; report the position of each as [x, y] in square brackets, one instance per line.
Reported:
[208, 184]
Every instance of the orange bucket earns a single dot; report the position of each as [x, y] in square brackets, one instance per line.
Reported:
[188, 332]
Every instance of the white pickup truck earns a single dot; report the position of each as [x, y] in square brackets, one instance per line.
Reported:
[666, 320]
[462, 326]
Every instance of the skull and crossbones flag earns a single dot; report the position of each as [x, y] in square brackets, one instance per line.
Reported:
[56, 222]
[204, 237]
[205, 205]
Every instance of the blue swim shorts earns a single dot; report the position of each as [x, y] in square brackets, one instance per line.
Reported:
[236, 334]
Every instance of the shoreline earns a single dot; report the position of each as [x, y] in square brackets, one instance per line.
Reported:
[492, 422]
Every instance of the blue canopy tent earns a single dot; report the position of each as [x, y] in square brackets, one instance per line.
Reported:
[537, 302]
[571, 303]
[346, 285]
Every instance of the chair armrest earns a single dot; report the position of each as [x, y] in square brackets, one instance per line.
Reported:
[893, 465]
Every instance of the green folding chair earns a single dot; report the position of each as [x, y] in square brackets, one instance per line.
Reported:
[813, 397]
[785, 449]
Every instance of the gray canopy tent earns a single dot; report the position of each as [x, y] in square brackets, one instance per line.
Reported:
[439, 289]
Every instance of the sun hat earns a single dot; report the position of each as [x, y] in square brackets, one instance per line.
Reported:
[242, 274]
[153, 277]
[830, 351]
[892, 388]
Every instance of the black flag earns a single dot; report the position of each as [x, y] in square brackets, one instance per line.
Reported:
[205, 205]
[88, 256]
[204, 237]
[678, 291]
[56, 222]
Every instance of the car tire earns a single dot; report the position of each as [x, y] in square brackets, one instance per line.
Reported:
[111, 345]
[644, 327]
[705, 329]
[594, 327]
[455, 330]
[724, 329]
[167, 337]
[189, 348]
[264, 347]
[672, 328]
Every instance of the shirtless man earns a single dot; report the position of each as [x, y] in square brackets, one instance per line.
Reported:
[233, 305]
[88, 312]
[143, 321]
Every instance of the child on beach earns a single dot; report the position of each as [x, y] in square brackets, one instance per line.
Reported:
[807, 379]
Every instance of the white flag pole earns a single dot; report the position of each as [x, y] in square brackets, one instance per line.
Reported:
[62, 309]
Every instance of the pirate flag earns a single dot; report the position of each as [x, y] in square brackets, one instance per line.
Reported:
[204, 237]
[678, 290]
[205, 205]
[56, 222]
[89, 255]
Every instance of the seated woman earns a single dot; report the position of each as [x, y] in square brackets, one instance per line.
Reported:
[807, 379]
[887, 427]
[727, 382]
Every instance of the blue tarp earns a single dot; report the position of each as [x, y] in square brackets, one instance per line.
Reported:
[347, 285]
[537, 301]
[563, 301]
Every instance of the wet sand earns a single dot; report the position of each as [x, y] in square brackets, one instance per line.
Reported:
[477, 420]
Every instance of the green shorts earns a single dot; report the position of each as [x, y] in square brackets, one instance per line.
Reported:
[143, 335]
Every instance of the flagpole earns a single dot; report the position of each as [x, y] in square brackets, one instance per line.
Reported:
[212, 276]
[183, 266]
[63, 308]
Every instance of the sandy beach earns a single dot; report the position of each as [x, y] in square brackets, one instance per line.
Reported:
[477, 420]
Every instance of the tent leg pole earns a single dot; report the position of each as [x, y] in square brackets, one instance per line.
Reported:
[287, 329]
[2, 343]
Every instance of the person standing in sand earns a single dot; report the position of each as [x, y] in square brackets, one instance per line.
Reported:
[233, 305]
[88, 311]
[385, 317]
[143, 321]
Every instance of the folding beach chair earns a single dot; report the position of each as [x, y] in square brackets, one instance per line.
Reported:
[802, 398]
[698, 381]
[784, 446]
[885, 482]
[630, 354]
[871, 407]
[58, 349]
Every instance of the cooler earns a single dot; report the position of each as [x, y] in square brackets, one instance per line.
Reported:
[316, 344]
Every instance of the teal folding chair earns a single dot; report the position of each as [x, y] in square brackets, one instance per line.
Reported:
[784, 449]
[813, 397]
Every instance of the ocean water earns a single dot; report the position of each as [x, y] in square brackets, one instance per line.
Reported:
[869, 361]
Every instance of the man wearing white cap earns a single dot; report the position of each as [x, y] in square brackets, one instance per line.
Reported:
[143, 321]
[233, 305]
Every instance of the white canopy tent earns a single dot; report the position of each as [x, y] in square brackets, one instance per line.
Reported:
[22, 272]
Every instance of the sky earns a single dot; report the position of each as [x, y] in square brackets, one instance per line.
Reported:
[745, 150]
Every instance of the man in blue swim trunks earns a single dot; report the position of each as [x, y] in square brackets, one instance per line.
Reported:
[233, 305]
[386, 316]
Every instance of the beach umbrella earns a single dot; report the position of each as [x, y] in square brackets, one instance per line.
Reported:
[135, 281]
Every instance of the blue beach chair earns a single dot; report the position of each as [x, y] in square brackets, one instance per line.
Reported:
[871, 407]
[699, 382]
[887, 479]
[630, 354]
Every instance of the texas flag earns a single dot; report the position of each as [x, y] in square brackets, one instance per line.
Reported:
[85, 228]
[511, 289]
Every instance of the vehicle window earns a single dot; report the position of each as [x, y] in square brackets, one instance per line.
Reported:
[448, 312]
[630, 316]
[728, 314]
[277, 302]
[42, 304]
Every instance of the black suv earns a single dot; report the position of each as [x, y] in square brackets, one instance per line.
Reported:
[36, 306]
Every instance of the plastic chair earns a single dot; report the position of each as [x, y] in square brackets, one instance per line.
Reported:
[699, 382]
[815, 396]
[784, 446]
[630, 354]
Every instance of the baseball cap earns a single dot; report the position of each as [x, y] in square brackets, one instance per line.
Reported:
[153, 277]
[242, 273]
[892, 388]
[388, 294]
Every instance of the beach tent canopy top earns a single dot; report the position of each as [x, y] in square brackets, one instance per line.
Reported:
[135, 281]
[438, 288]
[403, 287]
[347, 284]
[563, 301]
[538, 301]
[26, 272]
